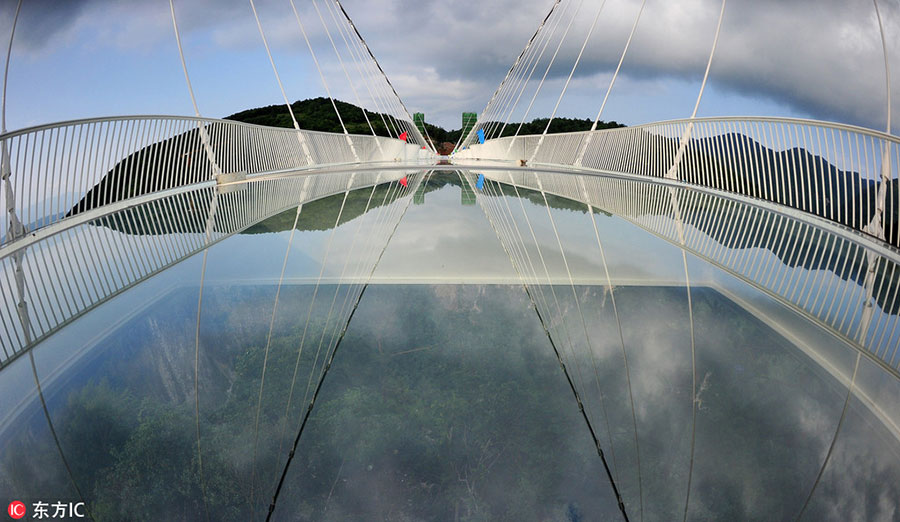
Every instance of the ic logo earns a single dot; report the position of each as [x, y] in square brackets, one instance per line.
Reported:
[16, 509]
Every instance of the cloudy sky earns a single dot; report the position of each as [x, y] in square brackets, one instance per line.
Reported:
[804, 58]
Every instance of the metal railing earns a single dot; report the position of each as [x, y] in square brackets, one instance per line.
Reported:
[54, 171]
[75, 270]
[849, 286]
[842, 173]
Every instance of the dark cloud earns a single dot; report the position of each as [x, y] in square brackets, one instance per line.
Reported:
[40, 21]
[823, 58]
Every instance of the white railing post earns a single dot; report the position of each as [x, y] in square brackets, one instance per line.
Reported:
[16, 228]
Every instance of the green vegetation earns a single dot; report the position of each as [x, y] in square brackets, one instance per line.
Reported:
[317, 114]
[450, 416]
[321, 214]
[445, 402]
[537, 126]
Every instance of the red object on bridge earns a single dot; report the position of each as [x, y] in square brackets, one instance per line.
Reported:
[403, 136]
[403, 181]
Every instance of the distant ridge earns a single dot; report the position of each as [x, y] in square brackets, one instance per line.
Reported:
[317, 114]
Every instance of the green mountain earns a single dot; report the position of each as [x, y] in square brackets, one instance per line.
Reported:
[318, 114]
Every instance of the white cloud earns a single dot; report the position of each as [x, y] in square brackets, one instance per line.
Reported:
[821, 58]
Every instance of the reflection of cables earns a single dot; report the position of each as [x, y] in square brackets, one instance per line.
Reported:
[562, 324]
[40, 392]
[679, 224]
[262, 380]
[612, 296]
[833, 440]
[197, 381]
[388, 194]
[693, 381]
[587, 421]
[309, 383]
[587, 337]
[561, 315]
[312, 302]
[562, 365]
[327, 366]
[210, 221]
[350, 287]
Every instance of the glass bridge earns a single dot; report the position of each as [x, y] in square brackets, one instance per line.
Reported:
[454, 347]
[694, 319]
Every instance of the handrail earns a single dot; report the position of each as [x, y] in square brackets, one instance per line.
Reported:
[76, 121]
[770, 119]
[757, 244]
[843, 173]
[54, 171]
[87, 265]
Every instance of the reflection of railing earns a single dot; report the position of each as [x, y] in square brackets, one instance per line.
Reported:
[53, 171]
[78, 268]
[842, 283]
[842, 173]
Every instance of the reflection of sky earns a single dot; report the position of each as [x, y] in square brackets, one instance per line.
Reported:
[766, 413]
[760, 399]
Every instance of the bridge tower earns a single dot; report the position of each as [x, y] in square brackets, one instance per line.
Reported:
[468, 122]
[419, 120]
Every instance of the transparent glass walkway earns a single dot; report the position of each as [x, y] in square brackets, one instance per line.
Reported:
[454, 347]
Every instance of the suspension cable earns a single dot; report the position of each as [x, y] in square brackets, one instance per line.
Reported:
[673, 171]
[300, 137]
[200, 126]
[324, 82]
[16, 227]
[357, 57]
[465, 139]
[612, 82]
[569, 79]
[387, 80]
[12, 35]
[519, 77]
[341, 61]
[546, 42]
[546, 72]
[887, 68]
